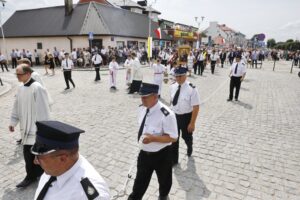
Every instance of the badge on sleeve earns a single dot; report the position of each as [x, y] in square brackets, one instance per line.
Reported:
[192, 85]
[164, 111]
[89, 189]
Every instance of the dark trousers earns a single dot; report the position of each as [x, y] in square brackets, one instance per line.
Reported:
[4, 65]
[14, 62]
[254, 62]
[97, 69]
[135, 86]
[33, 171]
[161, 163]
[37, 61]
[56, 60]
[201, 67]
[222, 62]
[235, 82]
[213, 66]
[182, 123]
[68, 77]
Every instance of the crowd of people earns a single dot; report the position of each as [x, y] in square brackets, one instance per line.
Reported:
[50, 148]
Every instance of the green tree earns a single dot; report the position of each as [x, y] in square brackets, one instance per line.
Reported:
[271, 43]
[289, 40]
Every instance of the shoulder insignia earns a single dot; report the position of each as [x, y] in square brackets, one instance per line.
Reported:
[192, 85]
[89, 189]
[165, 111]
[140, 105]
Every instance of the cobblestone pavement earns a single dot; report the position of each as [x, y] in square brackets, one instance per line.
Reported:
[243, 150]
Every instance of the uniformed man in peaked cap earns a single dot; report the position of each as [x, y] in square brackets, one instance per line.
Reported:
[157, 131]
[185, 103]
[67, 174]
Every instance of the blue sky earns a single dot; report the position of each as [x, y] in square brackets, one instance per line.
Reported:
[279, 19]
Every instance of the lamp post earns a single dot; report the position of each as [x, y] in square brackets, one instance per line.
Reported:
[3, 37]
[198, 23]
[149, 31]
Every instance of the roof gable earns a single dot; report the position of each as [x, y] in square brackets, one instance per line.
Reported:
[45, 22]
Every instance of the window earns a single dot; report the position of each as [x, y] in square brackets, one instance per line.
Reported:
[39, 45]
[132, 44]
[120, 44]
[142, 45]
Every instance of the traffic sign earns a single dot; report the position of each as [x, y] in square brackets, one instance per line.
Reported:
[91, 35]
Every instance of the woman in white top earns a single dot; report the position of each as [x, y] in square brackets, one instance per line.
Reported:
[190, 62]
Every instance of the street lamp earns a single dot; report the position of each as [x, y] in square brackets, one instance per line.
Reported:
[149, 31]
[198, 23]
[4, 45]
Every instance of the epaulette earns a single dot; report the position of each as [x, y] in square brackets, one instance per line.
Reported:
[140, 105]
[89, 189]
[165, 111]
[192, 85]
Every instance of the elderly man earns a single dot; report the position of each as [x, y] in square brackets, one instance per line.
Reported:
[31, 104]
[185, 102]
[158, 130]
[68, 175]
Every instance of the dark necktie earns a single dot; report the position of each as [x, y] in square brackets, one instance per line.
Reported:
[142, 125]
[235, 70]
[45, 188]
[175, 99]
[67, 63]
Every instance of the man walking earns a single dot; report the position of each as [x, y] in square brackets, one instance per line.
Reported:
[67, 65]
[157, 131]
[237, 75]
[185, 102]
[31, 105]
[97, 60]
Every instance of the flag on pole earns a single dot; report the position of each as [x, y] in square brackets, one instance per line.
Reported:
[149, 47]
[158, 32]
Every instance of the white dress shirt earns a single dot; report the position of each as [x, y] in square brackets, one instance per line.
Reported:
[188, 97]
[68, 186]
[97, 59]
[67, 64]
[160, 120]
[241, 70]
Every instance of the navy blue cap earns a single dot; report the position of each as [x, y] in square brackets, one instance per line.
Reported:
[148, 88]
[179, 71]
[55, 135]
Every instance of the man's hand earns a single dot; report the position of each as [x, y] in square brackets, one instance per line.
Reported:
[11, 128]
[148, 138]
[191, 128]
[242, 79]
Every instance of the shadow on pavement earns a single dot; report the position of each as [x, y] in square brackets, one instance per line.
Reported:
[245, 89]
[190, 182]
[18, 155]
[20, 194]
[245, 105]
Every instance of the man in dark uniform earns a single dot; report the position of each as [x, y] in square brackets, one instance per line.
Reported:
[222, 58]
[157, 131]
[185, 102]
[68, 175]
[237, 75]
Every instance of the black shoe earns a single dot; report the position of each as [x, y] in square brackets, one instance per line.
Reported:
[189, 151]
[25, 183]
[229, 99]
[19, 141]
[67, 88]
[236, 99]
[163, 197]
